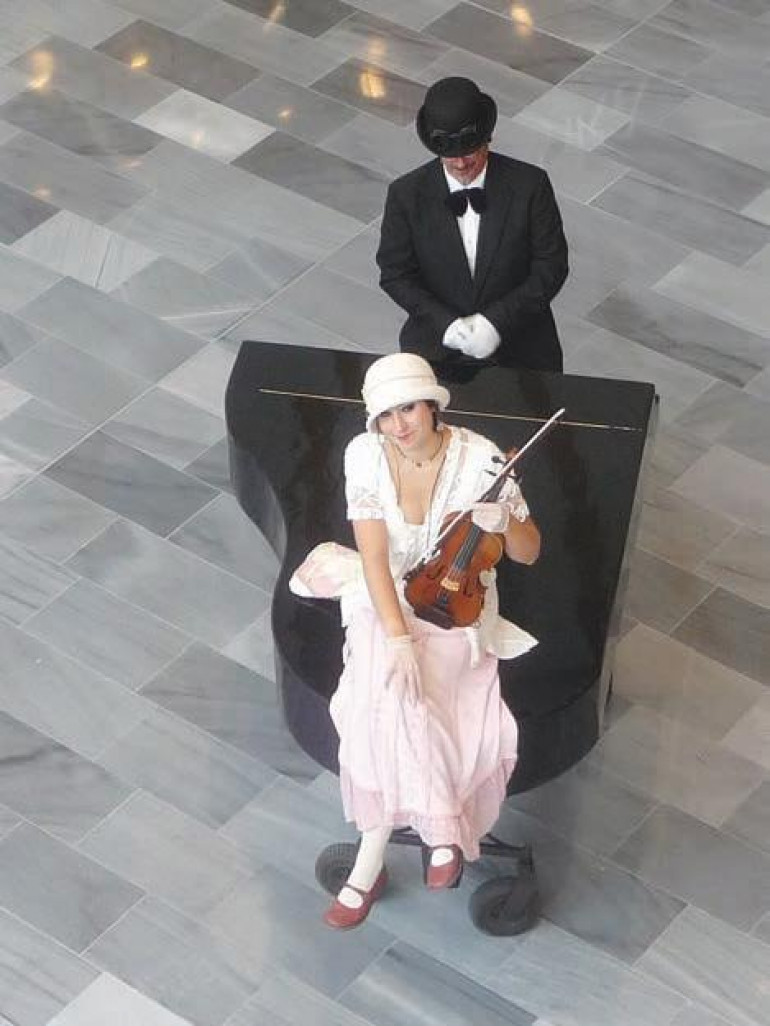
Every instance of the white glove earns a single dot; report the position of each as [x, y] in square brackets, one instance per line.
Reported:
[402, 672]
[483, 340]
[457, 333]
[491, 516]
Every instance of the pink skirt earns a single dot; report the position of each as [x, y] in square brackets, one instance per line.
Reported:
[440, 767]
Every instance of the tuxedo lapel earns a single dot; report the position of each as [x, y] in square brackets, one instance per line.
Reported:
[445, 232]
[499, 195]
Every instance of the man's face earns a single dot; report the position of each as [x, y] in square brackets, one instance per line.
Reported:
[465, 169]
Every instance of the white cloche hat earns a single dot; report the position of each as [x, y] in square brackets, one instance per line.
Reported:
[399, 379]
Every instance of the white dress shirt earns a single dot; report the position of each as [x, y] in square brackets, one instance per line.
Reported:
[470, 221]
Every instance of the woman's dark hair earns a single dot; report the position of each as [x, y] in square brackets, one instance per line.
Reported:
[434, 407]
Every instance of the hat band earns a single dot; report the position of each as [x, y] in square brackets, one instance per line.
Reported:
[443, 140]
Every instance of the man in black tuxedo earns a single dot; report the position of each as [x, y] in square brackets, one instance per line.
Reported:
[472, 245]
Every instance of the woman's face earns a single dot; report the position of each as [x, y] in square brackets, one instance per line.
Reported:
[410, 426]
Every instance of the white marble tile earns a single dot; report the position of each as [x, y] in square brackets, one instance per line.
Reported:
[203, 379]
[742, 565]
[679, 531]
[108, 999]
[750, 737]
[574, 119]
[21, 280]
[759, 208]
[11, 398]
[720, 126]
[82, 21]
[71, 245]
[12, 475]
[731, 484]
[171, 14]
[204, 125]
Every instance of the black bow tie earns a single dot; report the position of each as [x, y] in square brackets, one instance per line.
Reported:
[458, 201]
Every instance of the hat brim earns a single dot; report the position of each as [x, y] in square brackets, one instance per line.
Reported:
[487, 118]
[436, 393]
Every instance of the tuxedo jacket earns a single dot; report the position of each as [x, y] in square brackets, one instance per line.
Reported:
[521, 263]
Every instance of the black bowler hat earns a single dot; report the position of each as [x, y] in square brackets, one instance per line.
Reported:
[456, 118]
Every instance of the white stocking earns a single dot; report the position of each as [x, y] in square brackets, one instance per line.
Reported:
[369, 862]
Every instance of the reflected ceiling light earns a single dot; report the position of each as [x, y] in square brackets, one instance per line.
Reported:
[42, 62]
[286, 113]
[372, 84]
[42, 192]
[139, 60]
[197, 137]
[376, 48]
[277, 12]
[522, 19]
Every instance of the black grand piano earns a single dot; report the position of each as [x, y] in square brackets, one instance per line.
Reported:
[290, 412]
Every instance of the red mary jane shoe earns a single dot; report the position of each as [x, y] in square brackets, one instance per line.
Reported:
[448, 875]
[342, 917]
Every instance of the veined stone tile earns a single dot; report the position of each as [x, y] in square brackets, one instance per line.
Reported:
[88, 75]
[295, 109]
[741, 564]
[114, 638]
[29, 582]
[717, 412]
[731, 484]
[356, 260]
[750, 736]
[720, 126]
[662, 53]
[714, 26]
[284, 1000]
[386, 148]
[20, 213]
[374, 90]
[36, 433]
[259, 269]
[731, 630]
[21, 280]
[254, 648]
[85, 21]
[661, 594]
[59, 891]
[594, 26]
[194, 596]
[213, 467]
[613, 84]
[16, 337]
[168, 854]
[574, 119]
[171, 14]
[78, 248]
[107, 997]
[204, 125]
[391, 45]
[511, 89]
[12, 475]
[203, 379]
[751, 822]
[307, 16]
[678, 682]
[679, 531]
[274, 323]
[414, 14]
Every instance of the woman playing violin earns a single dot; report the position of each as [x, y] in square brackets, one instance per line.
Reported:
[425, 738]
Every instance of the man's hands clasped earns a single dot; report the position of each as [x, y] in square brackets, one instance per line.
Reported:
[402, 672]
[475, 336]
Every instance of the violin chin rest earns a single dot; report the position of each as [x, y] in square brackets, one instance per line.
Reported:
[431, 614]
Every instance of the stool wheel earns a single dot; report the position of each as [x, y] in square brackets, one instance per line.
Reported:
[333, 866]
[505, 906]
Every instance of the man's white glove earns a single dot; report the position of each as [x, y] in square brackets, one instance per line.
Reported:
[457, 333]
[491, 516]
[483, 340]
[402, 672]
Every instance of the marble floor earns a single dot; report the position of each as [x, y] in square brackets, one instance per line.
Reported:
[178, 175]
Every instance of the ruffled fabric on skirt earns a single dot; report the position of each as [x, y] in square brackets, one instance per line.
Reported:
[440, 767]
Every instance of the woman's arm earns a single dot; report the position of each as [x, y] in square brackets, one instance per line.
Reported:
[372, 542]
[522, 540]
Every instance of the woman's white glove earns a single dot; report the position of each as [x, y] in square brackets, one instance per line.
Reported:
[402, 672]
[491, 516]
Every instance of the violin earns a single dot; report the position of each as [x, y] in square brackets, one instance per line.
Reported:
[446, 588]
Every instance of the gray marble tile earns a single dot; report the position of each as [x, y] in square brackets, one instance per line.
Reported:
[570, 983]
[589, 808]
[222, 534]
[723, 127]
[743, 83]
[185, 299]
[186, 768]
[320, 176]
[674, 450]
[414, 14]
[18, 35]
[535, 53]
[715, 965]
[751, 822]
[170, 56]
[680, 532]
[374, 90]
[672, 763]
[20, 212]
[655, 671]
[687, 219]
[294, 109]
[737, 295]
[380, 145]
[705, 867]
[88, 75]
[165, 426]
[118, 334]
[74, 381]
[130, 483]
[204, 125]
[202, 380]
[168, 854]
[652, 49]
[686, 165]
[254, 648]
[51, 521]
[16, 337]
[62, 698]
[715, 413]
[697, 1015]
[36, 433]
[51, 786]
[365, 315]
[593, 26]
[571, 118]
[8, 821]
[311, 17]
[113, 637]
[731, 630]
[233, 704]
[613, 84]
[741, 564]
[176, 962]
[356, 260]
[729, 483]
[432, 991]
[39, 976]
[12, 475]
[107, 996]
[82, 128]
[268, 45]
[12, 82]
[278, 921]
[660, 594]
[284, 1000]
[21, 280]
[388, 44]
[76, 247]
[274, 323]
[213, 467]
[172, 14]
[29, 582]
[174, 585]
[714, 26]
[259, 269]
[84, 21]
[750, 736]
[683, 333]
[511, 89]
[58, 890]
